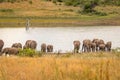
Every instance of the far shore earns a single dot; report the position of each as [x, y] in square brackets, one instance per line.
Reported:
[59, 21]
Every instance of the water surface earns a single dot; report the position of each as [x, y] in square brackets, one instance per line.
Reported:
[61, 38]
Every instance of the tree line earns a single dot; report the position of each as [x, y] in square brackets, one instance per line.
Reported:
[81, 2]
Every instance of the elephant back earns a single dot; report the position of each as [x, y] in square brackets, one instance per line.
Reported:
[101, 41]
[33, 44]
[10, 51]
[30, 44]
[17, 45]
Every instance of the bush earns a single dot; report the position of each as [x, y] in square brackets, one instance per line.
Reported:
[27, 52]
[30, 2]
[6, 10]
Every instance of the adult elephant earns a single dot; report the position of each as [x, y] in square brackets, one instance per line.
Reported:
[86, 47]
[101, 41]
[49, 48]
[30, 44]
[10, 51]
[102, 47]
[96, 41]
[93, 47]
[108, 45]
[76, 44]
[43, 47]
[17, 45]
[1, 44]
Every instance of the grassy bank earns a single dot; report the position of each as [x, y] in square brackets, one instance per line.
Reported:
[92, 66]
[60, 21]
[47, 14]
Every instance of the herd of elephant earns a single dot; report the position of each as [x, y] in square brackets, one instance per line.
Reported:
[87, 46]
[29, 44]
[92, 45]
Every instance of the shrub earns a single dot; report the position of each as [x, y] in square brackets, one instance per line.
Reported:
[27, 52]
[30, 2]
[6, 10]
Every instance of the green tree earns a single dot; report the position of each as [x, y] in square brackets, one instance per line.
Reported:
[89, 6]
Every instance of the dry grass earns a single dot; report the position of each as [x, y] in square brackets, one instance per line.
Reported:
[76, 67]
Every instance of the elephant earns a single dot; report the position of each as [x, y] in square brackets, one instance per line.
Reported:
[76, 44]
[101, 41]
[98, 42]
[49, 48]
[108, 45]
[10, 51]
[1, 44]
[102, 47]
[17, 45]
[30, 44]
[43, 47]
[86, 47]
[93, 47]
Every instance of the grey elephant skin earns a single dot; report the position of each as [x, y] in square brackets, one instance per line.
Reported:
[43, 47]
[17, 45]
[86, 47]
[1, 44]
[10, 51]
[30, 44]
[49, 48]
[76, 44]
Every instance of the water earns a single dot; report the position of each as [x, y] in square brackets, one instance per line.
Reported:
[61, 38]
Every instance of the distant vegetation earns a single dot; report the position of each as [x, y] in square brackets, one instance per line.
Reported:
[88, 5]
[80, 2]
[13, 1]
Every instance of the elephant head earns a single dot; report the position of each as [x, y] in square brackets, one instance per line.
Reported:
[76, 44]
[43, 47]
[86, 47]
[108, 45]
[1, 44]
[49, 48]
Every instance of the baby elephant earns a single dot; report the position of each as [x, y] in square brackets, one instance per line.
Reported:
[10, 51]
[49, 48]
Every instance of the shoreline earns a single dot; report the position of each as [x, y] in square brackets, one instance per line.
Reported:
[59, 21]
